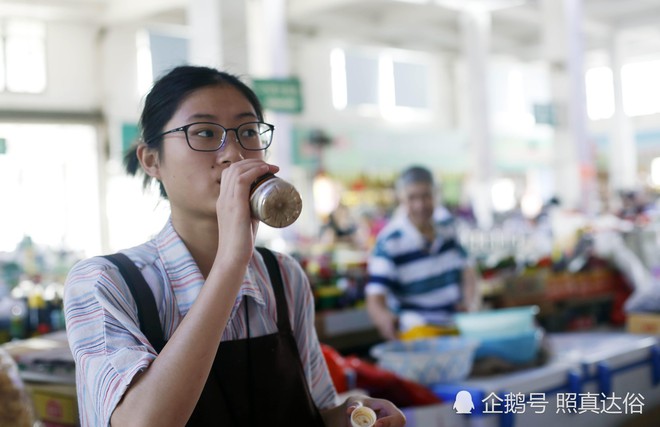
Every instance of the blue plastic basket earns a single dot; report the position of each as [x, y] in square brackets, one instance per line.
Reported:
[520, 348]
[508, 333]
[428, 361]
[500, 322]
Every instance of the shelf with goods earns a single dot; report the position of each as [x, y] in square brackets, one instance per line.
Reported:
[338, 277]
[577, 296]
[31, 290]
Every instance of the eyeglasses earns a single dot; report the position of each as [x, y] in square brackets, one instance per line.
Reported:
[207, 136]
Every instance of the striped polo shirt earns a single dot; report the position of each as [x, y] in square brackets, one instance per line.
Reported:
[104, 334]
[416, 275]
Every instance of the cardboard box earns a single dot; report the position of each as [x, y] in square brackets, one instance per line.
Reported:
[643, 323]
[47, 370]
[54, 404]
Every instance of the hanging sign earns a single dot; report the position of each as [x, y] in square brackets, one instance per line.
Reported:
[545, 114]
[281, 95]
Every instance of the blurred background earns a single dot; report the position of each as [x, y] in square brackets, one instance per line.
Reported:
[540, 119]
[509, 102]
[519, 108]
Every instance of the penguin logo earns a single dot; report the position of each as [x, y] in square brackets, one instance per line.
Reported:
[463, 403]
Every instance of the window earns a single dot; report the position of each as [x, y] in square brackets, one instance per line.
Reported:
[23, 56]
[600, 93]
[639, 84]
[361, 79]
[49, 175]
[641, 88]
[407, 90]
[385, 80]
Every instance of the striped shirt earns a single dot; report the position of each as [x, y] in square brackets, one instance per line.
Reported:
[104, 333]
[418, 277]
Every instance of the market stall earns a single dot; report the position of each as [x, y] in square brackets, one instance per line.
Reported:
[592, 378]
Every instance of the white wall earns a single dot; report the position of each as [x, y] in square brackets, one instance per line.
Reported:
[371, 143]
[311, 63]
[73, 69]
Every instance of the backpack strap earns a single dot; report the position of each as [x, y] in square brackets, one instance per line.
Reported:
[146, 304]
[275, 274]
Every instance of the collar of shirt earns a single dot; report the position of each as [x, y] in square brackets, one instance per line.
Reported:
[443, 231]
[403, 223]
[185, 278]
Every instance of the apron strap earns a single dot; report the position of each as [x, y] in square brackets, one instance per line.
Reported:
[146, 305]
[275, 274]
[144, 298]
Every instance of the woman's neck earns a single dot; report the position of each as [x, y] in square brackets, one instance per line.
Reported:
[201, 238]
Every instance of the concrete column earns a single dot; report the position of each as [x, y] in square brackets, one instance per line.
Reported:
[475, 27]
[268, 38]
[268, 57]
[205, 42]
[622, 162]
[574, 157]
[247, 38]
[218, 34]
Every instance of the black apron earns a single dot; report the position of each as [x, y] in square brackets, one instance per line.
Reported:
[255, 381]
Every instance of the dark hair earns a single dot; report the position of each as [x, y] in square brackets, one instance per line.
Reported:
[414, 175]
[165, 97]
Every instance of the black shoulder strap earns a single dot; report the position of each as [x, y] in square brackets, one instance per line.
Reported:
[273, 267]
[144, 298]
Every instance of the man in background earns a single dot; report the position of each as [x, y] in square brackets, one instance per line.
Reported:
[419, 274]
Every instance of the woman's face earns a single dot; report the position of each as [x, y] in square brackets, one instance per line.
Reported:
[192, 178]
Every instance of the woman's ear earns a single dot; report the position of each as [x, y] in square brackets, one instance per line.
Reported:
[149, 160]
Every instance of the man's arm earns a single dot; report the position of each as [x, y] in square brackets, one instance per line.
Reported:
[471, 295]
[386, 322]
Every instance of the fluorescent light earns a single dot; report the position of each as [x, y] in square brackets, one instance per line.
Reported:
[338, 78]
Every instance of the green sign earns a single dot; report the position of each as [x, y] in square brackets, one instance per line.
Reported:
[545, 114]
[129, 136]
[282, 95]
[3, 146]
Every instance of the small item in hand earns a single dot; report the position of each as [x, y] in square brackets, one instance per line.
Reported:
[15, 405]
[274, 201]
[363, 416]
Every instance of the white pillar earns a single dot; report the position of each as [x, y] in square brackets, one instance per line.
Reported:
[475, 27]
[205, 40]
[268, 57]
[247, 38]
[622, 162]
[574, 157]
[268, 38]
[218, 34]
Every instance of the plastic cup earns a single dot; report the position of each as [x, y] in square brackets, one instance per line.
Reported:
[363, 416]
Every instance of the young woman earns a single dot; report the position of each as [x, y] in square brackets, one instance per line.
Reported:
[237, 348]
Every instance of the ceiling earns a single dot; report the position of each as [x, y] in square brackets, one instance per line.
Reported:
[414, 24]
[516, 24]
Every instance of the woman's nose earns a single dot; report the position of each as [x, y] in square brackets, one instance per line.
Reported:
[231, 150]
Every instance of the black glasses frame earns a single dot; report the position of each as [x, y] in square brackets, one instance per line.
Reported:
[185, 128]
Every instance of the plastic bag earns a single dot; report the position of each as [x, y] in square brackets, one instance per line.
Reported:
[645, 295]
[378, 382]
[15, 406]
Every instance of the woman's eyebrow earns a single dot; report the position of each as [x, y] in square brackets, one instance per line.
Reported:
[211, 117]
[202, 116]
